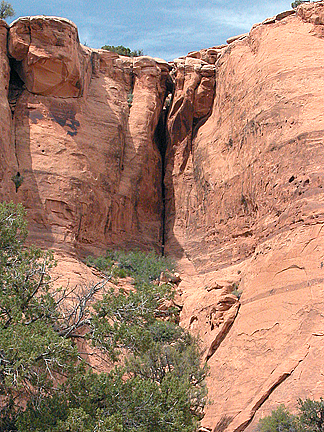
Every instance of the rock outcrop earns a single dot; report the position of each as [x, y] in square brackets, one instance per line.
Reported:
[217, 156]
[52, 62]
[244, 205]
[84, 124]
[7, 156]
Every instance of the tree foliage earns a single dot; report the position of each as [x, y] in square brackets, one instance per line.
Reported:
[296, 3]
[121, 50]
[31, 350]
[280, 420]
[311, 415]
[309, 418]
[6, 10]
[155, 380]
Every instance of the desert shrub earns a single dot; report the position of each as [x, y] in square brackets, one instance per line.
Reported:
[311, 415]
[130, 96]
[155, 380]
[280, 420]
[32, 351]
[236, 291]
[18, 180]
[121, 50]
[143, 267]
[310, 418]
[296, 3]
[103, 264]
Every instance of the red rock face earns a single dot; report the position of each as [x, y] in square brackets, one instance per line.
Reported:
[52, 60]
[91, 169]
[7, 158]
[248, 160]
[243, 185]
[245, 206]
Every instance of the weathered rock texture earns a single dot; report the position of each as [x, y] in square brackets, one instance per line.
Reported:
[241, 140]
[91, 169]
[244, 204]
[7, 156]
[50, 55]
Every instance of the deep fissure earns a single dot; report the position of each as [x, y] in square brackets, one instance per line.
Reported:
[160, 138]
[16, 85]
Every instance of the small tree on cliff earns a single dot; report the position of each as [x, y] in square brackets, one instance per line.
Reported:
[6, 10]
[296, 3]
[121, 50]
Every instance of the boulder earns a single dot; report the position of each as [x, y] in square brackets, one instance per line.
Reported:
[50, 56]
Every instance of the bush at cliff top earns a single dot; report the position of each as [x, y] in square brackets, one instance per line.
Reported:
[121, 50]
[155, 380]
[6, 10]
[296, 3]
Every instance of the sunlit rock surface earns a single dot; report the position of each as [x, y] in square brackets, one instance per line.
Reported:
[216, 157]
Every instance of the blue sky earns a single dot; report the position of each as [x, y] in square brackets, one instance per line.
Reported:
[165, 29]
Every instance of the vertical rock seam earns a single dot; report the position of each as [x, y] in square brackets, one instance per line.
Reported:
[161, 140]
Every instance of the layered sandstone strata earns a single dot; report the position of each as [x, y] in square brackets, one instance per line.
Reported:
[245, 208]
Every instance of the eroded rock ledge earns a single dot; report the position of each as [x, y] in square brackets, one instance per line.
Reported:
[219, 154]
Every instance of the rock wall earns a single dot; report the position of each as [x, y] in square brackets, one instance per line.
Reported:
[7, 155]
[237, 132]
[84, 123]
[245, 213]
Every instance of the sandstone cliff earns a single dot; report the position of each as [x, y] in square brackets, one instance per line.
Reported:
[217, 157]
[91, 170]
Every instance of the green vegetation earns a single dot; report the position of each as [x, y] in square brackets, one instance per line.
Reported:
[155, 380]
[236, 291]
[121, 50]
[18, 180]
[143, 267]
[6, 10]
[130, 96]
[29, 343]
[296, 3]
[279, 420]
[310, 418]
